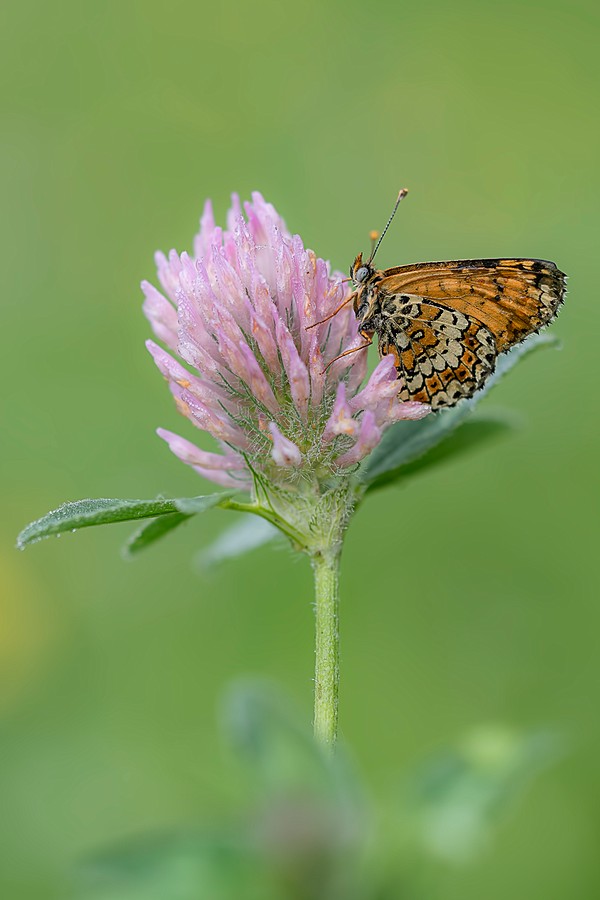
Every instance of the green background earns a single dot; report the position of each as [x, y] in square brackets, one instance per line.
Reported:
[468, 595]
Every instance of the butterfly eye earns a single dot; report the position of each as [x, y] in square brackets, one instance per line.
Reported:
[361, 274]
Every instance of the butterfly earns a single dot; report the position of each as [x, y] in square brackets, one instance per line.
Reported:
[445, 323]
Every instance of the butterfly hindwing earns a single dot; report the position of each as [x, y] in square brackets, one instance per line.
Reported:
[442, 355]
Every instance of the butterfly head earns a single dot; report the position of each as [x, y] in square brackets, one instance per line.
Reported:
[360, 272]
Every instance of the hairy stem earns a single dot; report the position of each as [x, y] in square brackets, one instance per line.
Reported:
[326, 567]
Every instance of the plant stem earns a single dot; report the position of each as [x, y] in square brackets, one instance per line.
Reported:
[326, 568]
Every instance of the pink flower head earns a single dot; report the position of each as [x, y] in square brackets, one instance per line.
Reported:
[253, 374]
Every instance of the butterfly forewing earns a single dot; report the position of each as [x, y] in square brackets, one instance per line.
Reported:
[511, 297]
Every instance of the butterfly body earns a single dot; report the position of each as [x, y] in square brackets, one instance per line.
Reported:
[445, 323]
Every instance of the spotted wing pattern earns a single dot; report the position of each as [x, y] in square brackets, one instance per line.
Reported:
[512, 297]
[447, 322]
[441, 355]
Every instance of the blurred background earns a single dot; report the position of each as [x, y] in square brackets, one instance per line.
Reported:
[118, 119]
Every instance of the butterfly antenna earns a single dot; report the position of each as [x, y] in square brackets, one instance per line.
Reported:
[401, 196]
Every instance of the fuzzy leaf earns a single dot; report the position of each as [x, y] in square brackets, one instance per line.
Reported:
[84, 513]
[407, 441]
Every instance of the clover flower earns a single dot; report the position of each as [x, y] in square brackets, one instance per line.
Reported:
[254, 374]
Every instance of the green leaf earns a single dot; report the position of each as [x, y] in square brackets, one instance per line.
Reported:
[407, 441]
[152, 531]
[84, 513]
[469, 436]
[192, 505]
[242, 537]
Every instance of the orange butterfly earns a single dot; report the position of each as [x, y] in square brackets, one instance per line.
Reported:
[445, 323]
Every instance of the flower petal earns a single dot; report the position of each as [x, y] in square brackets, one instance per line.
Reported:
[340, 420]
[368, 438]
[194, 456]
[161, 314]
[285, 452]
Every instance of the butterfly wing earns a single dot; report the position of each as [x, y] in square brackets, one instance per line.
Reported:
[511, 297]
[447, 322]
[442, 355]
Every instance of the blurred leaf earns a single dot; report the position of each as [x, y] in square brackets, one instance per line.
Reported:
[244, 536]
[182, 866]
[281, 753]
[453, 803]
[407, 441]
[84, 513]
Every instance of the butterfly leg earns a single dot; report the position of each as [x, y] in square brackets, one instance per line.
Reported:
[368, 336]
[349, 299]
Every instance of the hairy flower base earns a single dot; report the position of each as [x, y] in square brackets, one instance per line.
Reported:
[254, 374]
